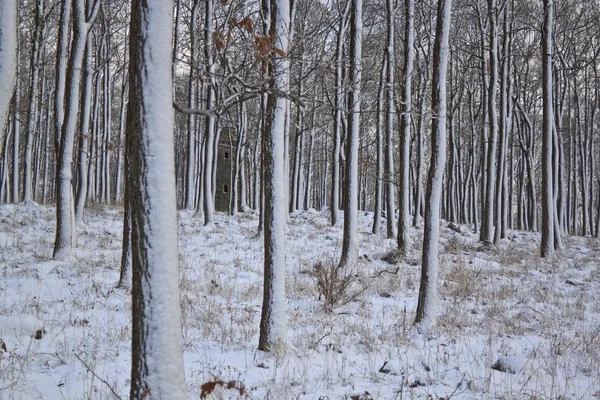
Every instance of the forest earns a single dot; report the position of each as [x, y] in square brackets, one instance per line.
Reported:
[282, 158]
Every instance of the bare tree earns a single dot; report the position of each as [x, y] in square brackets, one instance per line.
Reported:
[425, 316]
[84, 16]
[548, 210]
[8, 57]
[404, 239]
[157, 351]
[350, 239]
[273, 326]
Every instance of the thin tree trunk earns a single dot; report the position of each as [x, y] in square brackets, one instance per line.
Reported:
[404, 240]
[350, 239]
[426, 314]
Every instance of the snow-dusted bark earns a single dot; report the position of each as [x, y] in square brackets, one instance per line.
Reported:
[389, 181]
[209, 131]
[404, 239]
[8, 57]
[379, 139]
[547, 245]
[107, 132]
[273, 325]
[239, 183]
[426, 309]
[61, 70]
[120, 150]
[337, 117]
[350, 238]
[82, 163]
[65, 210]
[157, 352]
[36, 40]
[16, 146]
[487, 217]
[192, 120]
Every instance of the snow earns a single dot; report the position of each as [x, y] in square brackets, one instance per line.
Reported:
[539, 317]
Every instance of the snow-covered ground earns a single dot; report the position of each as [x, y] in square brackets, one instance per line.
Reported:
[510, 325]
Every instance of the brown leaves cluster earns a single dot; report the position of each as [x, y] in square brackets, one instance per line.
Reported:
[209, 387]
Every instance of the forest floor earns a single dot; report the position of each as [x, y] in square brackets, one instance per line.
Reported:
[510, 325]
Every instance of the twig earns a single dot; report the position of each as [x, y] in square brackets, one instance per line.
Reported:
[99, 377]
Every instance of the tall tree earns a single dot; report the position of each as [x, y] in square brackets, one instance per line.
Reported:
[548, 206]
[350, 238]
[487, 217]
[210, 141]
[8, 57]
[389, 181]
[83, 18]
[404, 239]
[337, 114]
[36, 41]
[425, 316]
[273, 326]
[157, 351]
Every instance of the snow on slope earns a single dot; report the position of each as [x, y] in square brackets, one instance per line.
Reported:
[510, 325]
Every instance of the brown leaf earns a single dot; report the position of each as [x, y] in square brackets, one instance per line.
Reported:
[263, 44]
[208, 387]
[3, 345]
[279, 52]
[145, 393]
[247, 24]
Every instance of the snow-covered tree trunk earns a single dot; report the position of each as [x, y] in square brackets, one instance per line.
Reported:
[389, 181]
[106, 153]
[547, 245]
[487, 217]
[239, 188]
[418, 199]
[8, 57]
[273, 325]
[157, 352]
[404, 239]
[120, 149]
[36, 41]
[337, 117]
[192, 120]
[350, 239]
[309, 170]
[61, 70]
[426, 307]
[379, 140]
[504, 127]
[65, 211]
[209, 132]
[82, 163]
[16, 146]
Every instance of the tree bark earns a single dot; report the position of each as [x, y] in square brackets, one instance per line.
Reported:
[426, 313]
[157, 351]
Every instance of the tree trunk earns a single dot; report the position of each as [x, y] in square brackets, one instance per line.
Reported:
[273, 326]
[350, 239]
[65, 212]
[209, 131]
[426, 314]
[404, 240]
[379, 166]
[82, 162]
[337, 117]
[547, 245]
[8, 57]
[157, 352]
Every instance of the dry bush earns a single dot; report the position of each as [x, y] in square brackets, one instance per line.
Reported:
[337, 285]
